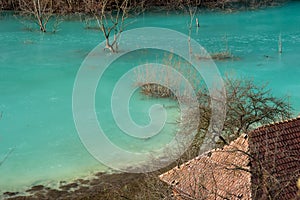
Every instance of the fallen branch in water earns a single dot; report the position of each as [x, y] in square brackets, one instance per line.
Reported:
[7, 155]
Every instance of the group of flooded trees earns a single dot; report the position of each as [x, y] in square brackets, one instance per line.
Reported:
[110, 15]
[43, 10]
[247, 104]
[73, 6]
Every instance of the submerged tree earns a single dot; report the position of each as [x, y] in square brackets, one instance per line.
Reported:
[111, 17]
[111, 21]
[192, 7]
[40, 11]
[247, 107]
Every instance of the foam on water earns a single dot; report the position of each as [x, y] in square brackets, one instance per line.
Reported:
[37, 72]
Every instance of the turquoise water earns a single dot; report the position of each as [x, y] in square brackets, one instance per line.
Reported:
[37, 73]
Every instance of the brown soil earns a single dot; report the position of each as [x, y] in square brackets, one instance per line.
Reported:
[103, 186]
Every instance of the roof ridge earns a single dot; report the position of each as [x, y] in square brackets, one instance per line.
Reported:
[207, 154]
[276, 123]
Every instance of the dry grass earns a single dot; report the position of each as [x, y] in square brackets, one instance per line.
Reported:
[149, 77]
[223, 55]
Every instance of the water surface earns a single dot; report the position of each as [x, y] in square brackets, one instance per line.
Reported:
[37, 73]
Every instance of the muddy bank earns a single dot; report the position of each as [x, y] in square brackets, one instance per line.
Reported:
[102, 186]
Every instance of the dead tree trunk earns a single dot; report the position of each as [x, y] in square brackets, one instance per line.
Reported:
[111, 21]
[40, 11]
[192, 7]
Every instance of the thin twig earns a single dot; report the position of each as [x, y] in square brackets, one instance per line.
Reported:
[7, 155]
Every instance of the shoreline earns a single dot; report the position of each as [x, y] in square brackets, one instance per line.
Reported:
[93, 186]
[99, 186]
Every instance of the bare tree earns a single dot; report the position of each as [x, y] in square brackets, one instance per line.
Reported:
[248, 106]
[192, 8]
[40, 11]
[111, 17]
[111, 20]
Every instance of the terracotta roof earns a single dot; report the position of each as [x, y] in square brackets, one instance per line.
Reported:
[264, 165]
[276, 159]
[218, 174]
